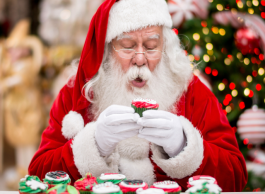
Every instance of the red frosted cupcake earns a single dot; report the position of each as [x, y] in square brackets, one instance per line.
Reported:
[85, 184]
[171, 187]
[201, 179]
[140, 105]
[130, 186]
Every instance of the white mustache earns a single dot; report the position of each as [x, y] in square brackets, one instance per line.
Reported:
[139, 72]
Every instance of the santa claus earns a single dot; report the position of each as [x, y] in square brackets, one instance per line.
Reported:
[130, 52]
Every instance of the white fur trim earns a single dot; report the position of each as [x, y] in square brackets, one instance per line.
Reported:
[134, 148]
[129, 15]
[72, 124]
[187, 161]
[87, 157]
[138, 169]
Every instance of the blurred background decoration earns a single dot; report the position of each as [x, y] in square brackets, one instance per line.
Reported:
[224, 39]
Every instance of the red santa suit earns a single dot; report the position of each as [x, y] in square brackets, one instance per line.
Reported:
[69, 144]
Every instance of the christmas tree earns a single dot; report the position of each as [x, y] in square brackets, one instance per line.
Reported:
[224, 40]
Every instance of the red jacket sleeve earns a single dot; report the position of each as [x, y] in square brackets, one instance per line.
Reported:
[55, 152]
[222, 158]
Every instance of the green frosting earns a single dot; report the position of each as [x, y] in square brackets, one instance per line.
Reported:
[141, 110]
[61, 188]
[51, 182]
[24, 188]
[120, 192]
[204, 190]
[110, 180]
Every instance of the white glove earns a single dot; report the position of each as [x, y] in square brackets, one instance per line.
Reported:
[115, 124]
[164, 129]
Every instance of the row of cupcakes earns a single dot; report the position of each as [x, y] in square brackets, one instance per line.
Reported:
[111, 183]
[59, 182]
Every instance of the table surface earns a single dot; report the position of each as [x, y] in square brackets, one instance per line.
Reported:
[16, 192]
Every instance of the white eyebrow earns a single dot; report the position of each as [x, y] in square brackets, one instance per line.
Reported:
[155, 36]
[123, 36]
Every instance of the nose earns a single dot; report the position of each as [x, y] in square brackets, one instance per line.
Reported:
[139, 58]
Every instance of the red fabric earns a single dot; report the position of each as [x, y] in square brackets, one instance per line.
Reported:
[92, 53]
[222, 158]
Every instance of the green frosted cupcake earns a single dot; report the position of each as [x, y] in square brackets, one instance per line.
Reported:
[56, 177]
[140, 105]
[115, 178]
[32, 184]
[204, 188]
[63, 189]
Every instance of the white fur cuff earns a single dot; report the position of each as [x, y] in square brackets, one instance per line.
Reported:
[187, 161]
[72, 124]
[87, 157]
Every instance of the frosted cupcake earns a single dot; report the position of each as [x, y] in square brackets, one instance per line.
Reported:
[140, 105]
[150, 191]
[130, 186]
[171, 187]
[63, 189]
[56, 177]
[32, 184]
[106, 188]
[201, 179]
[85, 184]
[115, 178]
[205, 188]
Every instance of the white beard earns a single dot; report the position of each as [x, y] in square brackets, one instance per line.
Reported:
[114, 86]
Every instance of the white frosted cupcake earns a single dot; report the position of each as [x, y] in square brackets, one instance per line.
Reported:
[201, 179]
[106, 188]
[171, 187]
[150, 191]
[115, 178]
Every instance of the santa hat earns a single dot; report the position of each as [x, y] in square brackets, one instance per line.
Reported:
[113, 18]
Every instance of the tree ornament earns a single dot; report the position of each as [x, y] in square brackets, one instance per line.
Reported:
[251, 125]
[247, 40]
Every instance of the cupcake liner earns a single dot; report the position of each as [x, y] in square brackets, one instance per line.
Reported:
[129, 192]
[141, 110]
[85, 192]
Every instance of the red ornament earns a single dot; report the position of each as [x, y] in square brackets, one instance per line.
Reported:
[247, 40]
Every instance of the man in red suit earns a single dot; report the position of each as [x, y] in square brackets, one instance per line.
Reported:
[130, 52]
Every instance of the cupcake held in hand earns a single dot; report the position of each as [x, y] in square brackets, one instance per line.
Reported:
[140, 105]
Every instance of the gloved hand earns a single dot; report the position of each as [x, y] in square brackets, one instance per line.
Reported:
[115, 124]
[164, 129]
